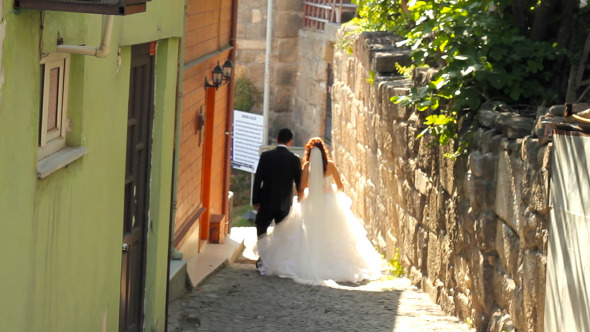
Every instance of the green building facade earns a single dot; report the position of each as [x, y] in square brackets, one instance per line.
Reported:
[63, 212]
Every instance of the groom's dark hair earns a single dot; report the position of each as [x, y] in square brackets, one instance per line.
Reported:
[285, 135]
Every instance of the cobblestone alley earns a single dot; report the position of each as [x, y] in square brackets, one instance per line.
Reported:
[237, 298]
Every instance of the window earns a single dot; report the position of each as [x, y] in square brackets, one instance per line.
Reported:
[53, 153]
[54, 106]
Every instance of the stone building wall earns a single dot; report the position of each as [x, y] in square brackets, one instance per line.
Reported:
[316, 53]
[472, 232]
[251, 42]
[251, 57]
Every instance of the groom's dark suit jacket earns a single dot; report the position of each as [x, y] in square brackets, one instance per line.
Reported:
[273, 182]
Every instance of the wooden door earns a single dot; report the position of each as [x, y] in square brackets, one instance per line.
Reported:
[137, 173]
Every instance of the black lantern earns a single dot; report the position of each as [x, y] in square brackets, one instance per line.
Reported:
[220, 75]
[228, 68]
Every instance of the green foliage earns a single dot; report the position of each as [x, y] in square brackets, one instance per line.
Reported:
[346, 43]
[405, 71]
[395, 267]
[245, 94]
[371, 79]
[478, 50]
[442, 126]
[239, 184]
[238, 212]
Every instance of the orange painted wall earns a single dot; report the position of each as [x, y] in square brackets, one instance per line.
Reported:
[207, 43]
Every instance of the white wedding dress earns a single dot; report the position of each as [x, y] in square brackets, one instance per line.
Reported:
[321, 241]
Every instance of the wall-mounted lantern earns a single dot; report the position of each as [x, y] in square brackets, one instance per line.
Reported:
[220, 75]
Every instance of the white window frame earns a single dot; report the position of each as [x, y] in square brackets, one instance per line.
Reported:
[51, 141]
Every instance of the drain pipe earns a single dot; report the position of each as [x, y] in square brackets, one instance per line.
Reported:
[266, 95]
[175, 254]
[99, 52]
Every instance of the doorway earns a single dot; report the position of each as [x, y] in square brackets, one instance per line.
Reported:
[137, 175]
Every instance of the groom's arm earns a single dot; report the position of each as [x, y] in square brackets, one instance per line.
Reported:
[258, 182]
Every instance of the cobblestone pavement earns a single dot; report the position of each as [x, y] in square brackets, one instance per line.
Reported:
[237, 298]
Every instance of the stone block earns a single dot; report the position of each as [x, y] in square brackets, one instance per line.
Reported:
[447, 300]
[536, 190]
[384, 62]
[508, 248]
[241, 30]
[485, 231]
[247, 56]
[434, 211]
[250, 44]
[514, 126]
[255, 72]
[534, 271]
[503, 286]
[287, 24]
[414, 275]
[399, 112]
[517, 309]
[256, 16]
[462, 275]
[433, 288]
[475, 163]
[329, 53]
[282, 99]
[415, 241]
[491, 142]
[285, 75]
[489, 166]
[463, 306]
[422, 182]
[287, 49]
[508, 191]
[321, 71]
[289, 5]
[483, 274]
[434, 256]
[256, 32]
[480, 320]
[487, 118]
[500, 322]
[534, 229]
[400, 140]
[391, 244]
[480, 192]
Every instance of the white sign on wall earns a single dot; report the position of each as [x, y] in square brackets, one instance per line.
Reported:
[246, 140]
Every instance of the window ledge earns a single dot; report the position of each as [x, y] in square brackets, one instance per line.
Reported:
[58, 160]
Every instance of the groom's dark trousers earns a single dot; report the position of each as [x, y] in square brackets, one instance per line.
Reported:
[277, 170]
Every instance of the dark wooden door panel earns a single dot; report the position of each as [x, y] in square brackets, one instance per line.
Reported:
[137, 172]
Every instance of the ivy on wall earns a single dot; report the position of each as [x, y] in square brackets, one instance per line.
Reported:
[516, 52]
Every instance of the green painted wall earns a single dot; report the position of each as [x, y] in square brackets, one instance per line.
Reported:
[60, 237]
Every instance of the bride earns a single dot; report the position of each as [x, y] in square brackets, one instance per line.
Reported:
[320, 241]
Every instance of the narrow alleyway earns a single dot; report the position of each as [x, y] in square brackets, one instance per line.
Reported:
[237, 298]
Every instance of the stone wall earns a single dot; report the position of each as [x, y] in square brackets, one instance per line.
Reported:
[251, 48]
[316, 53]
[251, 43]
[472, 232]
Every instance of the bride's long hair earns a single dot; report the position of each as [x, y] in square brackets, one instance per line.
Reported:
[319, 143]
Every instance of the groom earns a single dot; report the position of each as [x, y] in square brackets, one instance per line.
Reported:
[272, 193]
